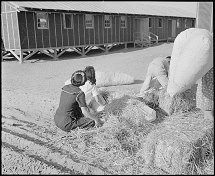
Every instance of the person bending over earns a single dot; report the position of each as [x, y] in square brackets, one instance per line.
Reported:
[158, 69]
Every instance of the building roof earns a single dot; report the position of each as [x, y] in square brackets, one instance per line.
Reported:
[112, 7]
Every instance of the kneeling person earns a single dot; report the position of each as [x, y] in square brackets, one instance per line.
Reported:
[72, 111]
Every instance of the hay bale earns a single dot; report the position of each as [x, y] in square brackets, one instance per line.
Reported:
[182, 102]
[177, 144]
[112, 79]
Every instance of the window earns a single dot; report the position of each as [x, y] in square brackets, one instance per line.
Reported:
[89, 21]
[68, 21]
[108, 21]
[123, 22]
[178, 23]
[150, 22]
[160, 22]
[193, 23]
[42, 20]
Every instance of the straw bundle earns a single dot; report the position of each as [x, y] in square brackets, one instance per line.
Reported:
[182, 102]
[182, 144]
[116, 143]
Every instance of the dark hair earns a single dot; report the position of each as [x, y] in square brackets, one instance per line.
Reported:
[78, 78]
[90, 74]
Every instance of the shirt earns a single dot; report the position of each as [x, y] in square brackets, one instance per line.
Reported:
[90, 90]
[71, 99]
[162, 67]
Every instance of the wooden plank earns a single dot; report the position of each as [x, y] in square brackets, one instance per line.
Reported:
[31, 54]
[13, 31]
[26, 23]
[34, 16]
[8, 32]
[78, 31]
[51, 55]
[63, 51]
[49, 31]
[88, 49]
[76, 50]
[84, 30]
[55, 29]
[61, 26]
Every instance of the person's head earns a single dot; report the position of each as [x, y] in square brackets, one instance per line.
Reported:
[78, 78]
[168, 58]
[90, 74]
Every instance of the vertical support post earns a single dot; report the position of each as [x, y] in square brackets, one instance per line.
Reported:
[55, 54]
[106, 48]
[82, 53]
[20, 56]
[125, 45]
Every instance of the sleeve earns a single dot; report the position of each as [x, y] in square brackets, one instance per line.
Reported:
[68, 82]
[95, 91]
[81, 99]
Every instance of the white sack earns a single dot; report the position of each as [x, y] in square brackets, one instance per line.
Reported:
[191, 59]
[112, 79]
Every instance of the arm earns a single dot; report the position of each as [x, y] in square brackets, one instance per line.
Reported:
[89, 115]
[100, 100]
[82, 104]
[98, 97]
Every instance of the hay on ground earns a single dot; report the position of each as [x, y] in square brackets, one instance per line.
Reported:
[182, 144]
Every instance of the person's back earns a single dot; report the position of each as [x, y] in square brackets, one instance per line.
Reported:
[161, 63]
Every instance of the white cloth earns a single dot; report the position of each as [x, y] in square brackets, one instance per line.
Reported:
[90, 90]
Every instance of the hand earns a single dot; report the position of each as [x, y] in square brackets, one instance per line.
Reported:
[141, 94]
[99, 123]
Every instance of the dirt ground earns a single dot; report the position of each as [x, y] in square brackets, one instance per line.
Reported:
[30, 97]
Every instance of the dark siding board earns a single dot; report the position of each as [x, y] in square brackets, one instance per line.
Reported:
[10, 30]
[76, 29]
[52, 30]
[58, 29]
[31, 31]
[96, 28]
[35, 27]
[101, 30]
[165, 29]
[117, 28]
[109, 35]
[22, 30]
[71, 39]
[105, 35]
[39, 38]
[87, 37]
[132, 29]
[81, 30]
[121, 34]
[113, 30]
[92, 36]
[46, 38]
[128, 34]
[5, 31]
[16, 30]
[65, 37]
[65, 34]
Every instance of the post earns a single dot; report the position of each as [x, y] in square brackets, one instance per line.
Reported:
[20, 56]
